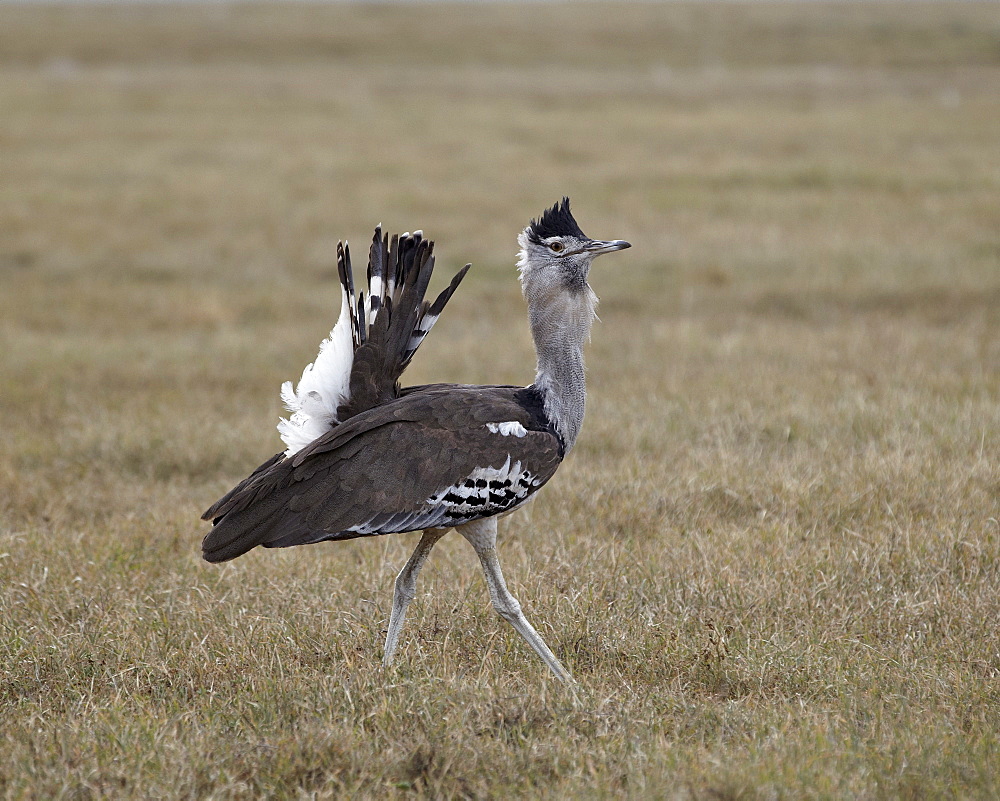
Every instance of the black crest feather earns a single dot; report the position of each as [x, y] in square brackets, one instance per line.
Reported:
[557, 221]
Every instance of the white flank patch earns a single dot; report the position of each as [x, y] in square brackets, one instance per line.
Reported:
[324, 386]
[511, 428]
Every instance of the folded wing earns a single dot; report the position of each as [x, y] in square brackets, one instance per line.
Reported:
[436, 458]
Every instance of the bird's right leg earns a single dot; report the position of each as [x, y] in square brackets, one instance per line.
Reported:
[482, 535]
[406, 590]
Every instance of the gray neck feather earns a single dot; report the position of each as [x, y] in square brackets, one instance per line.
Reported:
[560, 324]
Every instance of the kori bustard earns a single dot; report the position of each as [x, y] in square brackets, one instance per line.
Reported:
[365, 456]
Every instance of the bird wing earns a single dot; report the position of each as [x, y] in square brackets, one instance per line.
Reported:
[431, 459]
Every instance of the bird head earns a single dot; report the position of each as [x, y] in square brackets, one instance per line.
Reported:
[556, 255]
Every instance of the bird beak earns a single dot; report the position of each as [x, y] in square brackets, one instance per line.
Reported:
[598, 246]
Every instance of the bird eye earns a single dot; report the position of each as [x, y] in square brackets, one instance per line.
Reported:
[556, 247]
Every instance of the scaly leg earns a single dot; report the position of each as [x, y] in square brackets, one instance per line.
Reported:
[406, 590]
[482, 535]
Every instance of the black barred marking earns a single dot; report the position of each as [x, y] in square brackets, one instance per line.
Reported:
[488, 491]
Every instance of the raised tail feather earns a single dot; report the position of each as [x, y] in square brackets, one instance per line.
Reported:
[375, 338]
[389, 325]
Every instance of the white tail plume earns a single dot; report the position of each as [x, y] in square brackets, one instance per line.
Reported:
[324, 386]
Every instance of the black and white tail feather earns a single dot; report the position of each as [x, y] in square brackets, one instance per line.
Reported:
[359, 364]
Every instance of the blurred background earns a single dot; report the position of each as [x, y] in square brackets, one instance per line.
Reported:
[797, 372]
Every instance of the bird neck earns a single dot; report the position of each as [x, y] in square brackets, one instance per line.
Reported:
[560, 324]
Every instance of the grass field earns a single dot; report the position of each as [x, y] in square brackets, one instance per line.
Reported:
[773, 560]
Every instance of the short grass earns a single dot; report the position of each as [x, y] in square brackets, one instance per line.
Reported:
[773, 561]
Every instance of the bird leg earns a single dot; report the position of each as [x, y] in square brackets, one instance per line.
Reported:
[482, 535]
[406, 590]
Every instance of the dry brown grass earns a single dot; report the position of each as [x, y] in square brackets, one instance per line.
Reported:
[773, 562]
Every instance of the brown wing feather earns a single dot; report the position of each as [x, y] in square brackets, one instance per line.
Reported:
[380, 471]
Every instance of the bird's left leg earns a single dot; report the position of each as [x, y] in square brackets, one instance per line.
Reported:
[482, 535]
[406, 590]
